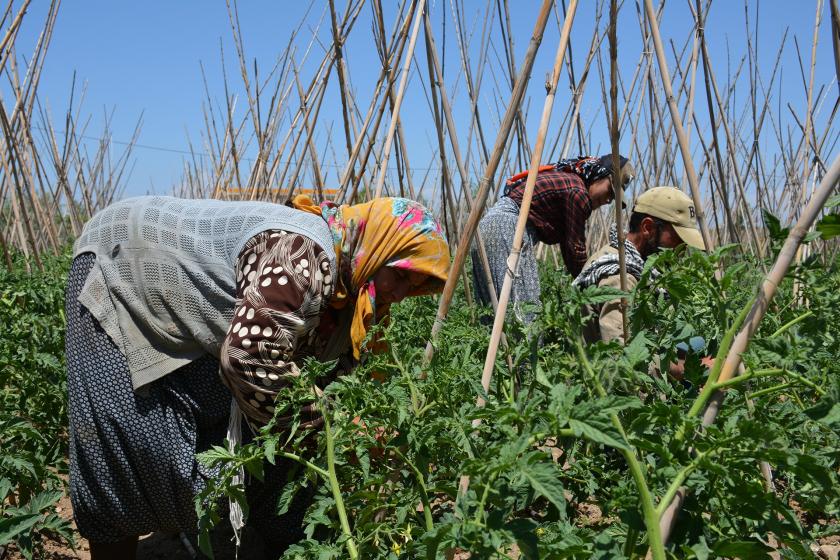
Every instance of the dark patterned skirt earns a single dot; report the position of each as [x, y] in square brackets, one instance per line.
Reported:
[497, 229]
[132, 454]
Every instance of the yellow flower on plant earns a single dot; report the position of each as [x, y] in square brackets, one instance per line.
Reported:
[396, 548]
[406, 533]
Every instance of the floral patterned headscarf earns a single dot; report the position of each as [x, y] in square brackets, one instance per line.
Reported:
[394, 232]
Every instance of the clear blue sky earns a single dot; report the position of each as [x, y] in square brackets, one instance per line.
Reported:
[142, 58]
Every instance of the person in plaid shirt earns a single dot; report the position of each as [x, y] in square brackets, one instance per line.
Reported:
[565, 195]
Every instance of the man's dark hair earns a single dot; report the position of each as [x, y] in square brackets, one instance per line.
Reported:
[636, 221]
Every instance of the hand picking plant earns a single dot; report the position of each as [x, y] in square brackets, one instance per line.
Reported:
[580, 449]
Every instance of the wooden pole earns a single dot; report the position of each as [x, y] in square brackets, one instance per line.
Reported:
[522, 220]
[693, 182]
[489, 174]
[395, 113]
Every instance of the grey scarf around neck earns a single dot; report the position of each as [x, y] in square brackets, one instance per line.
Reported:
[607, 265]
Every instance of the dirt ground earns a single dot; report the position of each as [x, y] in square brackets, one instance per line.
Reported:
[154, 546]
[164, 546]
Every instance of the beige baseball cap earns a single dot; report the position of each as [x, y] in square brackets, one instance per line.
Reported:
[673, 206]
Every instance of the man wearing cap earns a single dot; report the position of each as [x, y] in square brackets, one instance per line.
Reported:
[565, 194]
[662, 218]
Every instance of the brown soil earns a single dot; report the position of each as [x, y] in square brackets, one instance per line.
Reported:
[154, 546]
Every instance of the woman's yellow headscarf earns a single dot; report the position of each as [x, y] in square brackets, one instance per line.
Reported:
[392, 232]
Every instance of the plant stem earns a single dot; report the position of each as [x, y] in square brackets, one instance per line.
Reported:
[657, 547]
[709, 387]
[769, 390]
[336, 489]
[772, 372]
[747, 376]
[479, 513]
[426, 408]
[415, 398]
[805, 381]
[305, 463]
[791, 323]
[424, 494]
[682, 475]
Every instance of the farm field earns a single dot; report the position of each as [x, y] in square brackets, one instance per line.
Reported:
[468, 434]
[547, 475]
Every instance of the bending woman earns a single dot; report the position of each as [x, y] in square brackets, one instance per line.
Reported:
[166, 294]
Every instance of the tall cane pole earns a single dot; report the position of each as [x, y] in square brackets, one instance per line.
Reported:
[486, 180]
[765, 295]
[676, 120]
[386, 152]
[522, 220]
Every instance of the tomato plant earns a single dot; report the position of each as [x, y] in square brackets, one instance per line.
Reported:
[580, 448]
[33, 406]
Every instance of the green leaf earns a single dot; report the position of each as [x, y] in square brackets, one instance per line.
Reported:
[270, 449]
[745, 550]
[523, 530]
[774, 226]
[286, 497]
[637, 351]
[541, 377]
[829, 226]
[701, 550]
[43, 500]
[215, 454]
[827, 409]
[810, 236]
[5, 489]
[825, 412]
[599, 294]
[204, 544]
[255, 467]
[11, 527]
[597, 432]
[544, 480]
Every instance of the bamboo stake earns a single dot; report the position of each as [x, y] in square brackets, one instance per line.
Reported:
[402, 154]
[808, 120]
[489, 174]
[766, 291]
[310, 141]
[617, 185]
[343, 81]
[522, 220]
[435, 70]
[715, 142]
[389, 73]
[678, 128]
[11, 33]
[835, 37]
[418, 17]
[19, 208]
[510, 66]
[730, 150]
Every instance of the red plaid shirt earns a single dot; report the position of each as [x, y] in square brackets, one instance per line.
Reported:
[559, 210]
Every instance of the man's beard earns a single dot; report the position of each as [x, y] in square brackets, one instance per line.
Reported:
[652, 245]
